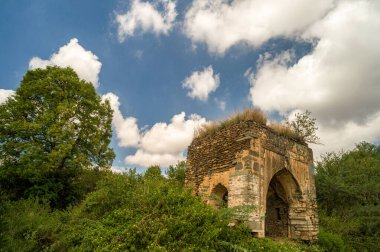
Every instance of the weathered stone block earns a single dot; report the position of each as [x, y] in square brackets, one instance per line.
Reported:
[250, 164]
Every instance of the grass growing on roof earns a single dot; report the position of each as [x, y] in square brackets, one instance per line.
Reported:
[283, 129]
[247, 114]
[293, 130]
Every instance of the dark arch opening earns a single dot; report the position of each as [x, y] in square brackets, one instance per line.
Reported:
[219, 196]
[281, 190]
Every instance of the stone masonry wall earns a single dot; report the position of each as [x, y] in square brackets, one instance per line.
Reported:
[244, 158]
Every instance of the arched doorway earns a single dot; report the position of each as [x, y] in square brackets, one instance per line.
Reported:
[282, 190]
[219, 196]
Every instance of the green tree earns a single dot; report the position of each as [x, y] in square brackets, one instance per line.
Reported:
[177, 172]
[348, 193]
[153, 171]
[349, 178]
[53, 129]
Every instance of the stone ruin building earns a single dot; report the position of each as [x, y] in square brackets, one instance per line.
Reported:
[250, 164]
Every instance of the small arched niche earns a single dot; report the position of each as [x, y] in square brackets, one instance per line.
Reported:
[219, 196]
[283, 190]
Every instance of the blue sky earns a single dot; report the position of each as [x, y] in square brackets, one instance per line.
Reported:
[169, 66]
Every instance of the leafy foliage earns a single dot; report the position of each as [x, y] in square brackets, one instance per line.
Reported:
[348, 192]
[330, 241]
[177, 172]
[153, 172]
[51, 131]
[28, 225]
[349, 179]
[131, 212]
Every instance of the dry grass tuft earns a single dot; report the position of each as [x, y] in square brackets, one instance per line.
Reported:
[284, 130]
[207, 129]
[246, 115]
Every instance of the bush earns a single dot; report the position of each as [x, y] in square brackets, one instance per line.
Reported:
[28, 225]
[348, 188]
[330, 242]
[130, 212]
[177, 173]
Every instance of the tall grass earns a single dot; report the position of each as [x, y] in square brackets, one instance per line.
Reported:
[247, 114]
[283, 129]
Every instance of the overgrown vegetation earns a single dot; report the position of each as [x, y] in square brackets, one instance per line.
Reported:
[134, 212]
[303, 128]
[246, 115]
[348, 192]
[283, 129]
[130, 212]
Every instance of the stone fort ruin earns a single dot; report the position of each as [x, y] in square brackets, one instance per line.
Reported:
[248, 163]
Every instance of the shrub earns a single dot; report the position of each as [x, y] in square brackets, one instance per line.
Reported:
[129, 212]
[28, 225]
[177, 173]
[330, 242]
[348, 188]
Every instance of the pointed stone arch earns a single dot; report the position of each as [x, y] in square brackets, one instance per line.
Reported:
[291, 185]
[282, 194]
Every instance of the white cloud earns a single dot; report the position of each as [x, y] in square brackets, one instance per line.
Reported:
[127, 131]
[147, 159]
[145, 17]
[5, 94]
[222, 24]
[338, 81]
[201, 83]
[164, 144]
[117, 169]
[346, 136]
[85, 63]
[171, 138]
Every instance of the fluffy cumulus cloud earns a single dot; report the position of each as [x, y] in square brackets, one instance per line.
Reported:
[164, 144]
[127, 131]
[5, 94]
[85, 63]
[146, 17]
[338, 81]
[221, 24]
[147, 159]
[201, 83]
[117, 169]
[344, 137]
